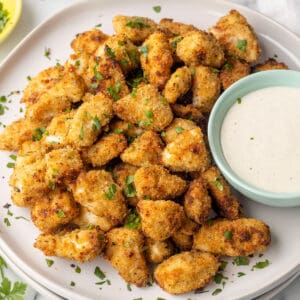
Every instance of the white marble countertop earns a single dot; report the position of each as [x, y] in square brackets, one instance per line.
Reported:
[35, 11]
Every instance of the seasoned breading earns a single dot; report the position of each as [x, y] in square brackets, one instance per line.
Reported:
[177, 126]
[136, 28]
[186, 271]
[97, 191]
[123, 174]
[147, 108]
[232, 71]
[226, 204]
[88, 41]
[145, 150]
[88, 120]
[80, 244]
[187, 153]
[158, 251]
[197, 202]
[124, 251]
[156, 182]
[78, 63]
[107, 148]
[157, 59]
[62, 166]
[160, 219]
[87, 219]
[178, 84]
[241, 237]
[53, 210]
[270, 64]
[129, 130]
[120, 48]
[189, 112]
[237, 37]
[206, 88]
[200, 48]
[177, 28]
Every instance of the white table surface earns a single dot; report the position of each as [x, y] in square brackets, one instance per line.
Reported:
[34, 12]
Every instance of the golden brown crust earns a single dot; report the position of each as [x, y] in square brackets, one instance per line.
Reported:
[270, 64]
[158, 251]
[189, 112]
[177, 28]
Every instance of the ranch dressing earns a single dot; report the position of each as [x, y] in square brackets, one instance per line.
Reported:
[260, 137]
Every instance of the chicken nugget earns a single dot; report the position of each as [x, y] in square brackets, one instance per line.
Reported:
[156, 182]
[186, 271]
[146, 107]
[270, 64]
[124, 251]
[158, 251]
[200, 48]
[160, 219]
[237, 37]
[226, 204]
[240, 237]
[80, 244]
[177, 28]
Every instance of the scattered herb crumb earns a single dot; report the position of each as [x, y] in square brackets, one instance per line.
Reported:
[239, 100]
[216, 292]
[129, 287]
[47, 53]
[228, 235]
[77, 269]
[72, 283]
[261, 264]
[99, 273]
[157, 8]
[240, 274]
[241, 261]
[6, 222]
[49, 262]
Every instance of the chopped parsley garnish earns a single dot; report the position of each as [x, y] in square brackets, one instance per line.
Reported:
[111, 191]
[219, 277]
[138, 298]
[157, 8]
[242, 45]
[94, 85]
[129, 188]
[129, 287]
[133, 221]
[77, 63]
[49, 262]
[179, 129]
[114, 91]
[216, 292]
[143, 50]
[10, 165]
[261, 264]
[228, 66]
[240, 274]
[110, 52]
[61, 213]
[98, 25]
[215, 70]
[239, 100]
[47, 53]
[159, 298]
[137, 23]
[38, 133]
[134, 91]
[223, 265]
[218, 184]
[228, 235]
[149, 114]
[77, 269]
[97, 74]
[121, 43]
[163, 134]
[118, 130]
[144, 248]
[175, 42]
[260, 254]
[72, 283]
[164, 101]
[252, 138]
[99, 273]
[4, 17]
[193, 71]
[28, 78]
[6, 222]
[241, 261]
[96, 123]
[81, 133]
[51, 184]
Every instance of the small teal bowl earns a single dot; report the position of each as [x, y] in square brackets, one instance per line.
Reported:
[226, 100]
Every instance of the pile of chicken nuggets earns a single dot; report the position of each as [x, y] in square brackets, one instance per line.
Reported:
[113, 157]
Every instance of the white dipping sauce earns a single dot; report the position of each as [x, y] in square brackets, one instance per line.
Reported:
[260, 137]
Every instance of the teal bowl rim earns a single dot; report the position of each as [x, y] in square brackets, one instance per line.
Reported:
[239, 89]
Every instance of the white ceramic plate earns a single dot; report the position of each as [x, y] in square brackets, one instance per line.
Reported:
[28, 59]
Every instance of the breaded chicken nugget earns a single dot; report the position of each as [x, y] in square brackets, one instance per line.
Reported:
[206, 88]
[237, 37]
[187, 153]
[146, 107]
[158, 251]
[136, 28]
[129, 130]
[81, 244]
[107, 148]
[123, 174]
[186, 271]
[197, 202]
[124, 251]
[157, 59]
[200, 48]
[120, 48]
[270, 64]
[97, 191]
[145, 150]
[87, 219]
[156, 182]
[232, 71]
[240, 237]
[62, 165]
[177, 126]
[88, 120]
[178, 84]
[177, 28]
[88, 41]
[227, 204]
[189, 112]
[160, 219]
[183, 237]
[55, 209]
